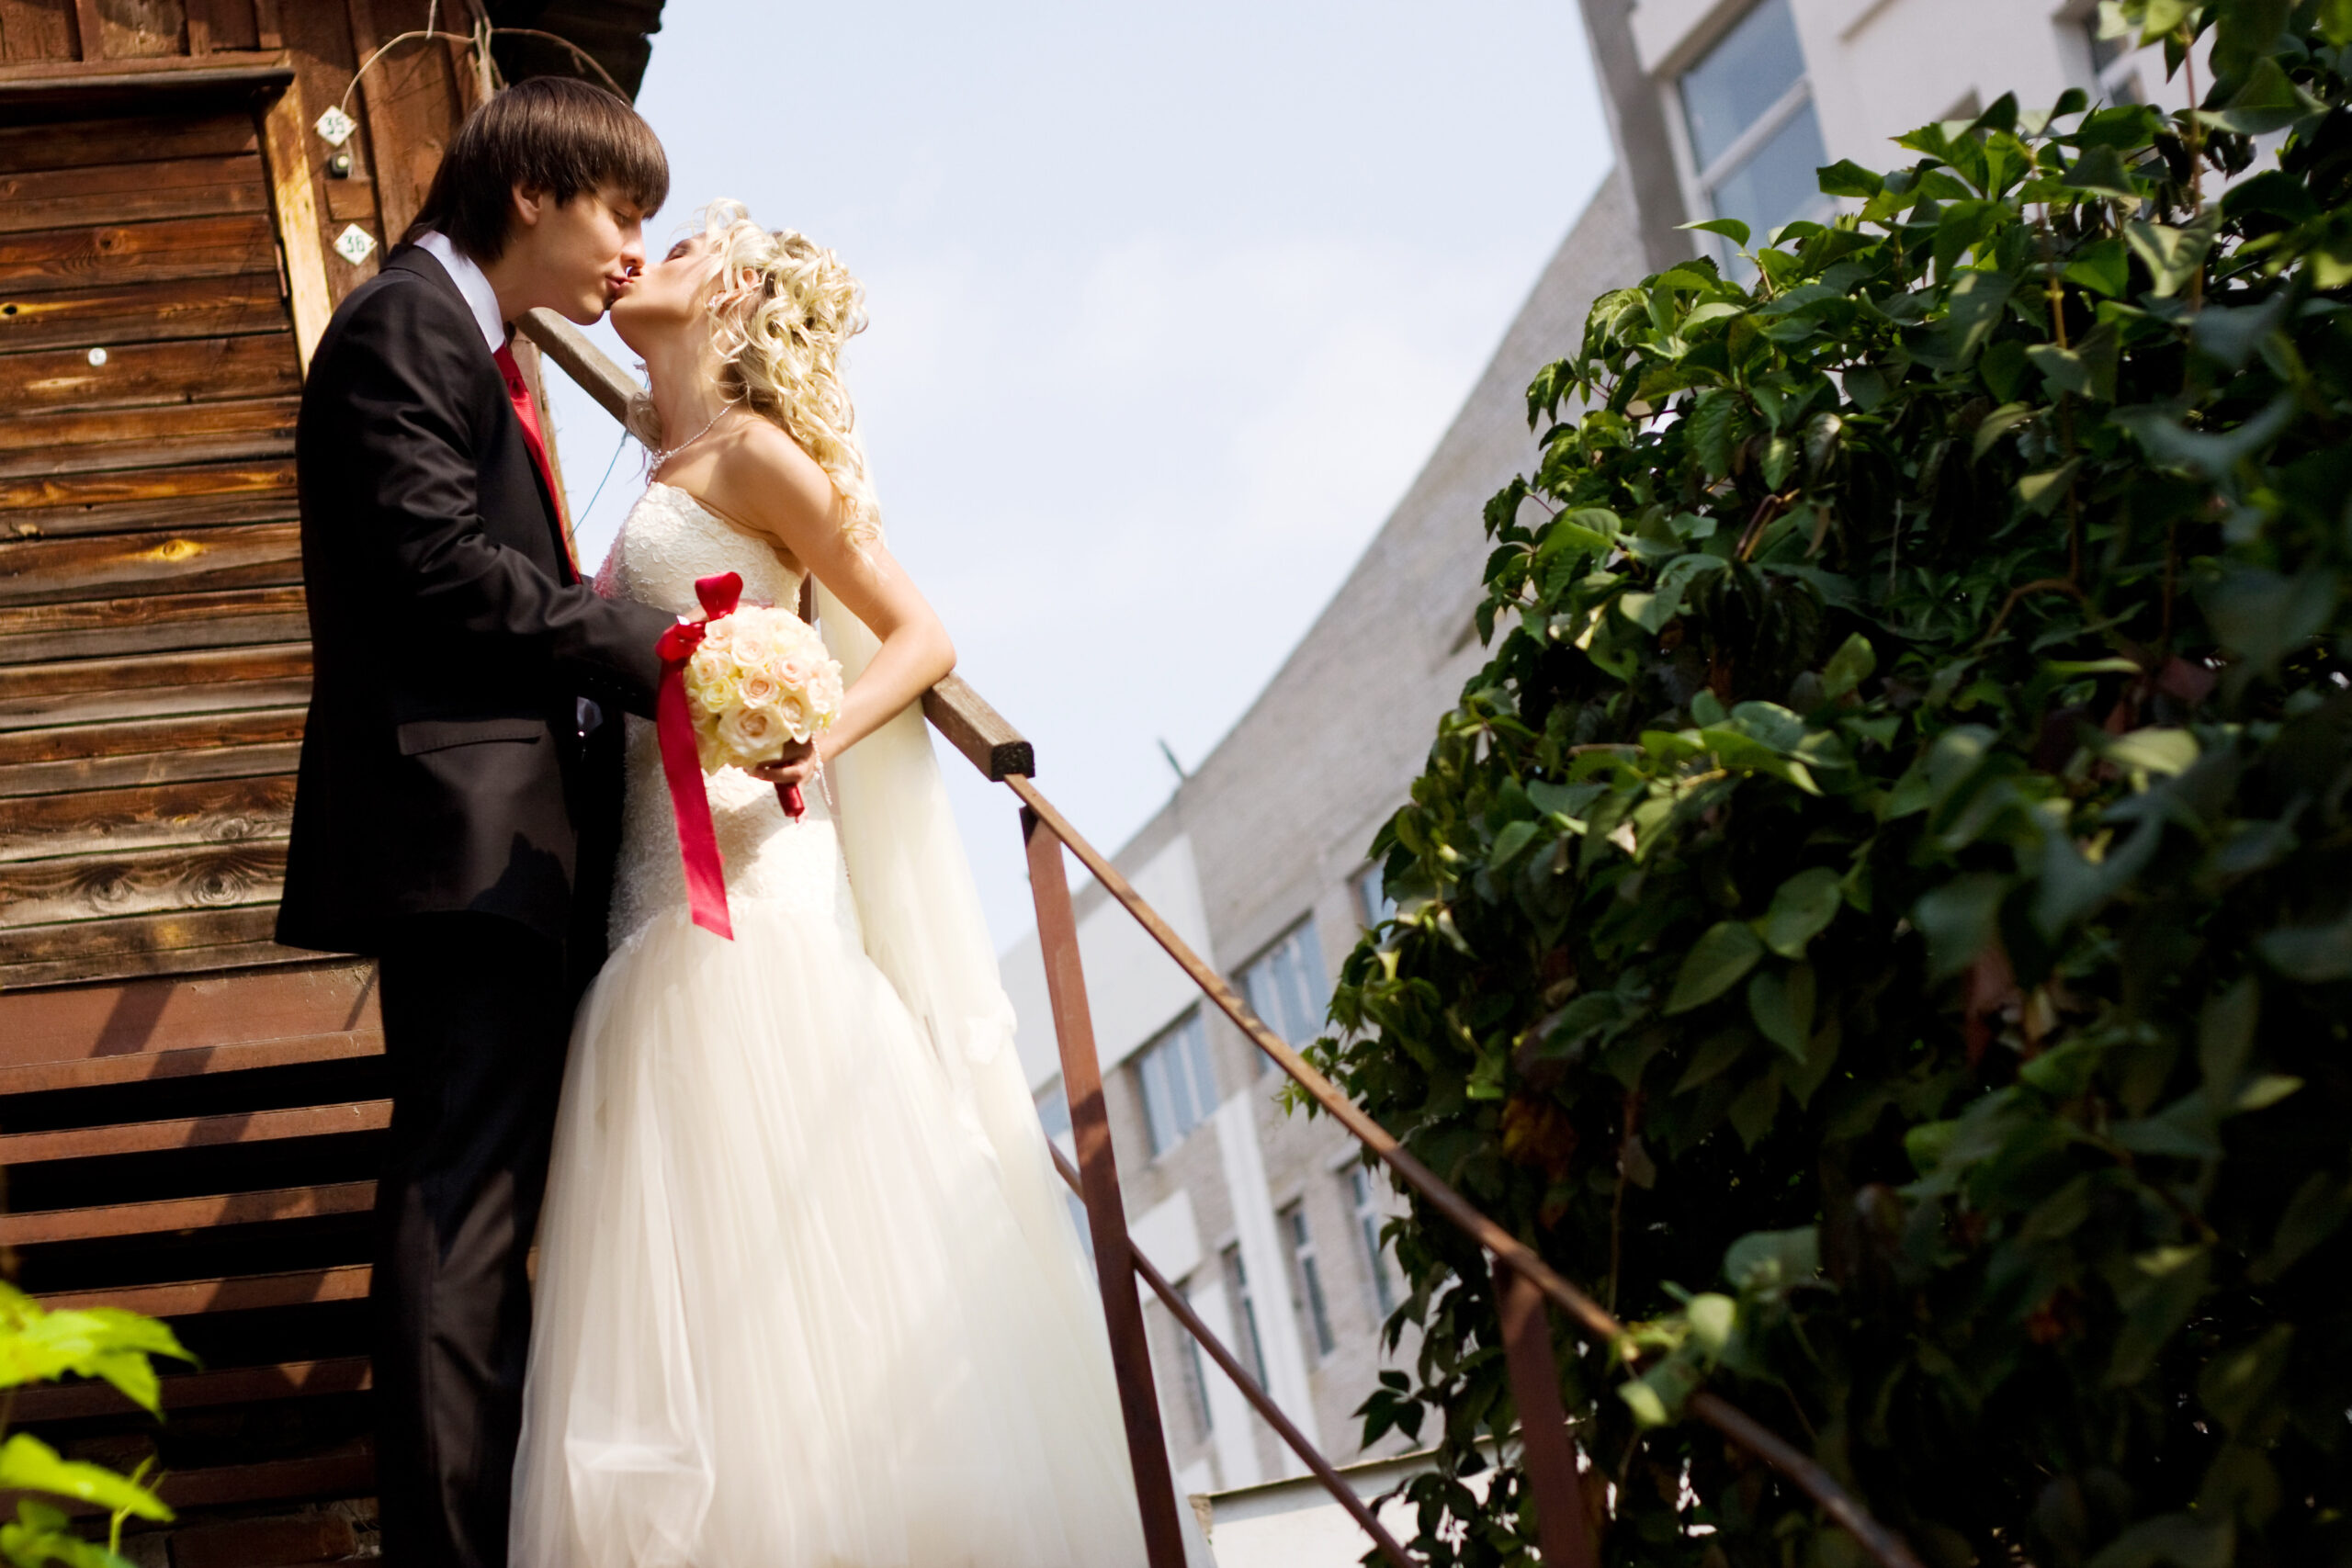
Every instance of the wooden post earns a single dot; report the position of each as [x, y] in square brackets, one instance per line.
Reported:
[1562, 1527]
[294, 206]
[1106, 1219]
[89, 39]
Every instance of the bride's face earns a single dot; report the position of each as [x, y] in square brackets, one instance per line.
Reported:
[669, 296]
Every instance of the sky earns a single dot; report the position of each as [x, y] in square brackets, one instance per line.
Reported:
[1169, 306]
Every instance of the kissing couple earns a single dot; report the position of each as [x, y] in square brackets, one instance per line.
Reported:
[807, 1292]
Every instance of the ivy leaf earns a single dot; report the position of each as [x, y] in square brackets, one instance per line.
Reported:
[1846, 178]
[1717, 425]
[1802, 908]
[2100, 172]
[2103, 266]
[2173, 256]
[1959, 920]
[2313, 955]
[1731, 229]
[1768, 1263]
[2263, 616]
[28, 1464]
[2268, 101]
[2208, 454]
[2316, 1212]
[2171, 1541]
[1717, 961]
[1782, 1003]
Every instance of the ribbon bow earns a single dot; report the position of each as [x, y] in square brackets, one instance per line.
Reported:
[682, 761]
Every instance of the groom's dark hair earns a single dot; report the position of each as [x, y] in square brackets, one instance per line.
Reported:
[553, 134]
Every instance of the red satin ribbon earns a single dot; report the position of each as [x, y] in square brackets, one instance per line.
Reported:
[682, 761]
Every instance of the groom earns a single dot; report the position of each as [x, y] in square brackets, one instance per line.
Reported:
[457, 811]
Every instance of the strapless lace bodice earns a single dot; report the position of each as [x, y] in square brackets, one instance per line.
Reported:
[665, 543]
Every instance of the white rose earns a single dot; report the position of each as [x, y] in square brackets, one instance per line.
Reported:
[751, 734]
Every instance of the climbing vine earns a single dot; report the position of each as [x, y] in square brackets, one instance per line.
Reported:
[1883, 918]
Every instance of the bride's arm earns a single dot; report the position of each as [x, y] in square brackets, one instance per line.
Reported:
[766, 479]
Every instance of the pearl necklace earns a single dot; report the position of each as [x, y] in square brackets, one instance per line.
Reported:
[662, 455]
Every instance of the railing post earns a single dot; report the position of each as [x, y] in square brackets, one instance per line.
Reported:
[1106, 1218]
[1562, 1529]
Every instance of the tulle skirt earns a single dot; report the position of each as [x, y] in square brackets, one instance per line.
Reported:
[786, 1316]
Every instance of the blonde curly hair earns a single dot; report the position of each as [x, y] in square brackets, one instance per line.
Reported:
[782, 308]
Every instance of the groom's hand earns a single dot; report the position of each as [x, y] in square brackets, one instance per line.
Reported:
[797, 766]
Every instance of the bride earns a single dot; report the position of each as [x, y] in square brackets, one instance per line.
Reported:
[808, 1295]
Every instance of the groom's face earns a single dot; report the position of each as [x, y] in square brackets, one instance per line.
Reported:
[580, 253]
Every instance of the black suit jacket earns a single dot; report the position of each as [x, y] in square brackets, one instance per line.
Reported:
[444, 767]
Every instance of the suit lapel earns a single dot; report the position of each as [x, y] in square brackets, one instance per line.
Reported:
[422, 262]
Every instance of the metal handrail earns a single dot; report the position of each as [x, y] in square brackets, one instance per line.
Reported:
[1523, 1281]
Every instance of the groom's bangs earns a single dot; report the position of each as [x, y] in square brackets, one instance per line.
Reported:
[556, 133]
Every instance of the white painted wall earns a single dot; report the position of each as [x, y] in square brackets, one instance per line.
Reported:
[1133, 989]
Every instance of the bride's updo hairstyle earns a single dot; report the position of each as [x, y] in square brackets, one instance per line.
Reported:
[783, 307]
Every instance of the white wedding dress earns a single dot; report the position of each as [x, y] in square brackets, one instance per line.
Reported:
[806, 1297]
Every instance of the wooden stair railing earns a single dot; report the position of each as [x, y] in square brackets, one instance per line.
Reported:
[1526, 1284]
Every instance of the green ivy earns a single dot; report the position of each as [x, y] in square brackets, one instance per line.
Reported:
[1883, 918]
[37, 1346]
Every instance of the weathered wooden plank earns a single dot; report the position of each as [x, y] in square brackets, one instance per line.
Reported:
[155, 622]
[150, 1017]
[122, 253]
[210, 666]
[199, 1391]
[188, 497]
[141, 882]
[216, 25]
[294, 215]
[274, 1480]
[156, 702]
[112, 440]
[132, 192]
[35, 29]
[195, 763]
[77, 952]
[136, 30]
[113, 565]
[43, 1078]
[247, 1292]
[100, 317]
[154, 737]
[100, 142]
[186, 1214]
[207, 811]
[196, 1131]
[189, 371]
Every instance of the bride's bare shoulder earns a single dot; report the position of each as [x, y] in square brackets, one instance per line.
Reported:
[763, 478]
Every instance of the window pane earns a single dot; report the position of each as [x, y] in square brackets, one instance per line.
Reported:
[1377, 905]
[1779, 182]
[1310, 1281]
[1753, 66]
[1191, 1044]
[1158, 1113]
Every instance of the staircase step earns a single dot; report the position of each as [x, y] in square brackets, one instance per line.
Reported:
[242, 1293]
[141, 1018]
[277, 1481]
[197, 1391]
[193, 1061]
[186, 1214]
[196, 1131]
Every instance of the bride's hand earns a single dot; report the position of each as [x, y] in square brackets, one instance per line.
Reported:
[797, 766]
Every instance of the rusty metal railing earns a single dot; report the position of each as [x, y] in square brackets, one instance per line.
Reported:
[1525, 1284]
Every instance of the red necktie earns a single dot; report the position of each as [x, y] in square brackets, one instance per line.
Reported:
[519, 393]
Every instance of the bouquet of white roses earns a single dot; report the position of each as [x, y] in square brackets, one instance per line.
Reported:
[758, 678]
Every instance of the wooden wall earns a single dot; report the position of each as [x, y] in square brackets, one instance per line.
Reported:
[167, 219]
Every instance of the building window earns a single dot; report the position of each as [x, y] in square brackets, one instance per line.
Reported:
[1196, 1379]
[1253, 1349]
[1366, 1209]
[1285, 988]
[1376, 905]
[1053, 1114]
[1311, 1304]
[1754, 139]
[1179, 1089]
